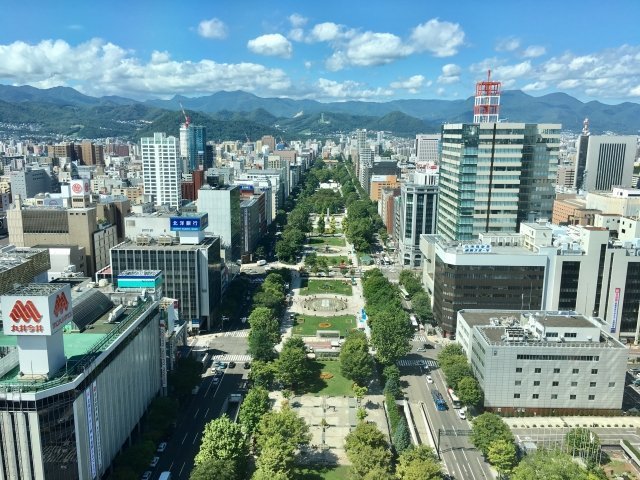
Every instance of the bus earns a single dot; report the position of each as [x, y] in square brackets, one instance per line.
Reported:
[438, 399]
[414, 322]
[404, 293]
[165, 476]
[455, 401]
[204, 361]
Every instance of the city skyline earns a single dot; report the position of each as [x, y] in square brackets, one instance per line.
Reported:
[324, 51]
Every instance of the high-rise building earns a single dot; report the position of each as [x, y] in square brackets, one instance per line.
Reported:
[418, 203]
[223, 206]
[92, 154]
[161, 169]
[493, 176]
[197, 146]
[30, 181]
[427, 148]
[604, 161]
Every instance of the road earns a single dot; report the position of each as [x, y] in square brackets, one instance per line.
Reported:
[462, 461]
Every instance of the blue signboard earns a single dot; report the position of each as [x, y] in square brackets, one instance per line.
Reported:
[189, 224]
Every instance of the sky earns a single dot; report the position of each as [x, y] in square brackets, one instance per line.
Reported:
[324, 50]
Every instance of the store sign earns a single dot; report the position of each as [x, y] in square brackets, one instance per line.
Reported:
[616, 306]
[37, 314]
[92, 447]
[79, 187]
[189, 224]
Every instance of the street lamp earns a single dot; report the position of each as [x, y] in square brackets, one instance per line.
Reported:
[224, 318]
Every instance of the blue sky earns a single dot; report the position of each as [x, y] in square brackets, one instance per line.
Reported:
[324, 50]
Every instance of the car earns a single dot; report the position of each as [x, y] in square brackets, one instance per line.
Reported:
[216, 380]
[247, 365]
[261, 263]
[146, 475]
[223, 365]
[429, 379]
[232, 364]
[154, 462]
[421, 349]
[427, 345]
[461, 414]
[162, 447]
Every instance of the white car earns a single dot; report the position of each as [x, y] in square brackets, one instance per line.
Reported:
[162, 447]
[429, 379]
[146, 475]
[154, 462]
[261, 263]
[461, 414]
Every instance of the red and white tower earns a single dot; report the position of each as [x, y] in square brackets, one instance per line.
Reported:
[486, 108]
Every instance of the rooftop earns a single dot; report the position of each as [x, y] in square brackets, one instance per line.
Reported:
[154, 245]
[11, 256]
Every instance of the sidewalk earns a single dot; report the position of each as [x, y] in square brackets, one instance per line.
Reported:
[572, 422]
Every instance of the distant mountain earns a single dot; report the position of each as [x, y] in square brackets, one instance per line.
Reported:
[402, 117]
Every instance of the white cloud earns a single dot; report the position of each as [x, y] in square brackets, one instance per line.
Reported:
[508, 44]
[213, 28]
[371, 48]
[308, 64]
[296, 34]
[534, 51]
[325, 32]
[532, 87]
[442, 39]
[412, 84]
[273, 44]
[635, 92]
[297, 20]
[506, 72]
[348, 90]
[100, 68]
[441, 91]
[450, 74]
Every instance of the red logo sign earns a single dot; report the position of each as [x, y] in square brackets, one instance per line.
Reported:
[61, 305]
[25, 312]
[77, 188]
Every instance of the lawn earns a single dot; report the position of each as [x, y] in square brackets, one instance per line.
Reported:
[322, 472]
[330, 241]
[335, 259]
[307, 325]
[336, 386]
[320, 287]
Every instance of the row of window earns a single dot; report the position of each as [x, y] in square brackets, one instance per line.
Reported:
[575, 358]
[556, 383]
[575, 371]
[554, 396]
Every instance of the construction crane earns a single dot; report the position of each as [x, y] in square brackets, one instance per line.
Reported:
[187, 119]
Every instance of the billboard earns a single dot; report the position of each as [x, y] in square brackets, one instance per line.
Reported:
[616, 307]
[189, 224]
[36, 315]
[79, 187]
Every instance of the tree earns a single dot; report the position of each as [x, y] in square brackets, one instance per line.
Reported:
[262, 318]
[214, 469]
[332, 225]
[355, 361]
[292, 366]
[320, 224]
[469, 392]
[262, 373]
[259, 252]
[275, 459]
[255, 404]
[488, 428]
[449, 350]
[457, 371]
[421, 306]
[582, 442]
[260, 346]
[410, 282]
[367, 449]
[185, 376]
[390, 334]
[401, 439]
[222, 439]
[418, 463]
[359, 392]
[502, 455]
[549, 464]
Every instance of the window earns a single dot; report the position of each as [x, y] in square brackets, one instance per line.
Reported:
[518, 382]
[574, 384]
[537, 370]
[592, 397]
[534, 396]
[556, 370]
[516, 395]
[518, 369]
[576, 371]
[572, 397]
[551, 334]
[594, 371]
[612, 384]
[536, 383]
[570, 335]
[554, 396]
[554, 384]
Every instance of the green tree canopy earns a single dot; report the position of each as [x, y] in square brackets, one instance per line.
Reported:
[281, 433]
[456, 371]
[401, 438]
[421, 306]
[367, 450]
[260, 345]
[391, 333]
[253, 407]
[215, 469]
[582, 442]
[486, 429]
[222, 439]
[320, 224]
[292, 366]
[355, 362]
[549, 464]
[410, 282]
[502, 455]
[450, 350]
[469, 392]
[418, 463]
[262, 318]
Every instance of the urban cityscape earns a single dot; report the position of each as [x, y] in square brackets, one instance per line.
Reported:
[215, 267]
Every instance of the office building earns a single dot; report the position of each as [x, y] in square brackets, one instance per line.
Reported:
[197, 147]
[572, 210]
[191, 183]
[418, 212]
[386, 206]
[604, 161]
[253, 224]
[427, 149]
[620, 201]
[92, 154]
[22, 265]
[161, 169]
[493, 176]
[30, 181]
[543, 267]
[222, 204]
[191, 266]
[543, 362]
[379, 183]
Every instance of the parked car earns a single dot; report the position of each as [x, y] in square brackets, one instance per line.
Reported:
[146, 475]
[232, 364]
[216, 380]
[247, 365]
[462, 415]
[421, 349]
[429, 379]
[162, 447]
[154, 462]
[261, 263]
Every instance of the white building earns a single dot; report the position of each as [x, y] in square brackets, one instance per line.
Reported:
[604, 161]
[543, 362]
[161, 169]
[427, 148]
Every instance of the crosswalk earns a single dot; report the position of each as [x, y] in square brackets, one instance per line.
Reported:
[231, 358]
[419, 338]
[404, 362]
[237, 333]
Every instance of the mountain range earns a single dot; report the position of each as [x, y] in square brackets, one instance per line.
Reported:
[240, 115]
